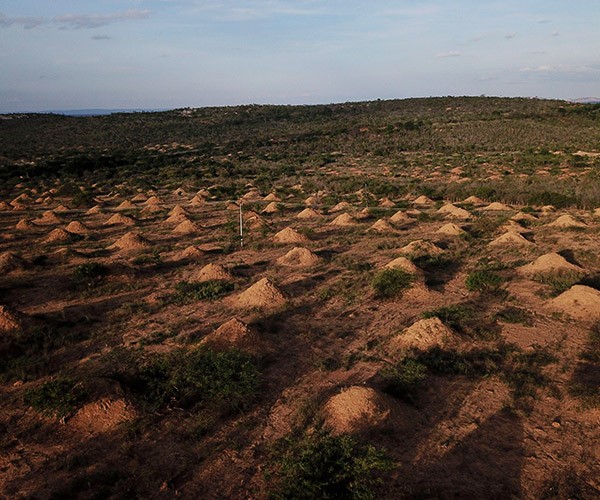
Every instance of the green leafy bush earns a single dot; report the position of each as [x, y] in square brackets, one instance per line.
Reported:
[321, 465]
[202, 378]
[55, 398]
[391, 282]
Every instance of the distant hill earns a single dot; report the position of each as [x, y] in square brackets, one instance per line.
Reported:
[98, 112]
[587, 100]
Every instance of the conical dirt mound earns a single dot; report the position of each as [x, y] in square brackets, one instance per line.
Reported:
[271, 208]
[186, 227]
[400, 218]
[130, 242]
[24, 225]
[523, 217]
[9, 320]
[496, 207]
[386, 203]
[309, 213]
[343, 220]
[48, 218]
[451, 230]
[474, 200]
[271, 197]
[548, 264]
[77, 227]
[421, 248]
[125, 205]
[423, 200]
[262, 294]
[403, 264]
[212, 272]
[511, 239]
[340, 207]
[299, 257]
[190, 253]
[580, 302]
[59, 235]
[289, 235]
[120, 220]
[355, 409]
[424, 334]
[9, 261]
[453, 212]
[232, 333]
[382, 226]
[178, 210]
[567, 221]
[139, 198]
[153, 200]
[96, 209]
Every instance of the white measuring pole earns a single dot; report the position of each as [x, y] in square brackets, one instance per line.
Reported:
[241, 227]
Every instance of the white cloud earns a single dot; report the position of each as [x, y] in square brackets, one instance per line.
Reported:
[451, 53]
[27, 22]
[89, 21]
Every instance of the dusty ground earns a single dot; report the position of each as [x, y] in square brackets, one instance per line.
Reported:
[319, 328]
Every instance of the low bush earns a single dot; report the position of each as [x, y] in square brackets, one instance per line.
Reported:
[55, 398]
[90, 274]
[391, 282]
[186, 292]
[483, 281]
[320, 465]
[404, 379]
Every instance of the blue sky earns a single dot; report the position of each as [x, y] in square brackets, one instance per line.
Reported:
[70, 54]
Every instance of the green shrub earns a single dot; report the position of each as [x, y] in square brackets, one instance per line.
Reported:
[512, 314]
[186, 292]
[151, 259]
[55, 398]
[90, 274]
[483, 281]
[321, 465]
[201, 378]
[391, 282]
[404, 379]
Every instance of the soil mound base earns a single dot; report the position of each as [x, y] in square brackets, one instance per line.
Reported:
[386, 203]
[567, 221]
[453, 212]
[289, 235]
[450, 230]
[262, 294]
[400, 218]
[24, 225]
[212, 272]
[102, 416]
[309, 213]
[580, 302]
[423, 200]
[496, 207]
[10, 261]
[547, 264]
[130, 242]
[271, 208]
[58, 235]
[9, 320]
[474, 200]
[341, 206]
[178, 210]
[186, 227]
[77, 227]
[343, 220]
[190, 253]
[299, 257]
[355, 409]
[120, 219]
[125, 205]
[382, 226]
[403, 264]
[232, 333]
[271, 197]
[424, 334]
[421, 248]
[511, 239]
[523, 217]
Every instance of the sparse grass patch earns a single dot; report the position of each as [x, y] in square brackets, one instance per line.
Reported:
[512, 314]
[56, 398]
[320, 465]
[466, 319]
[558, 282]
[391, 282]
[483, 281]
[403, 379]
[186, 292]
[90, 275]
